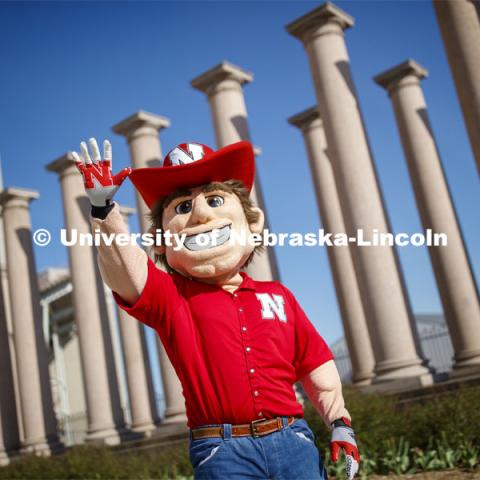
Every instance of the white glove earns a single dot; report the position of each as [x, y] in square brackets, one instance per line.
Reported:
[343, 438]
[99, 183]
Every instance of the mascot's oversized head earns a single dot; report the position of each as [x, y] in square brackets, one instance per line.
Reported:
[202, 197]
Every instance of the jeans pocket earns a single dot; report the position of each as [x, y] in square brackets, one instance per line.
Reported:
[302, 430]
[204, 450]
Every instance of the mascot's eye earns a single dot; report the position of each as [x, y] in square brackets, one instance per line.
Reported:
[215, 201]
[184, 207]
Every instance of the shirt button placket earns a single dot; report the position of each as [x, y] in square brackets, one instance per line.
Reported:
[248, 354]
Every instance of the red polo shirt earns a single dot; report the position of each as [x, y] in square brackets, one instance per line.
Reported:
[237, 354]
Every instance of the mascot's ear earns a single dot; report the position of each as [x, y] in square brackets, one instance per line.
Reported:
[158, 249]
[257, 225]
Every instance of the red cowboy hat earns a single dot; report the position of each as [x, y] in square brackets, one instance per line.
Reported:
[190, 165]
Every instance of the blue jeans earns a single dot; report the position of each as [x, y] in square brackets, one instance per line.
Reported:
[284, 455]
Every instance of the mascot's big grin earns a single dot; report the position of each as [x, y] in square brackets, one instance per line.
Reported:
[209, 239]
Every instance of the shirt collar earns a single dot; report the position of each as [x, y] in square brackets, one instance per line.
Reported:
[248, 283]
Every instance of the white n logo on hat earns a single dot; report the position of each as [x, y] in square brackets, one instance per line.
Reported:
[272, 306]
[186, 153]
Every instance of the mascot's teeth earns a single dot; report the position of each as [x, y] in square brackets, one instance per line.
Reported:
[214, 240]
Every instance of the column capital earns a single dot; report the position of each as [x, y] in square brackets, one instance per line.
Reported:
[221, 72]
[17, 197]
[63, 165]
[406, 73]
[328, 13]
[130, 126]
[307, 119]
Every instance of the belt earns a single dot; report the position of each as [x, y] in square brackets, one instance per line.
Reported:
[257, 428]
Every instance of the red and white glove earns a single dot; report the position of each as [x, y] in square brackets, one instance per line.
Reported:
[100, 184]
[343, 438]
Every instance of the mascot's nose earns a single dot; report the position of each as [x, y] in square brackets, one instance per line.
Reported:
[201, 211]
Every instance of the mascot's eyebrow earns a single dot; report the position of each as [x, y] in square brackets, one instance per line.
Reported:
[181, 192]
[185, 192]
[215, 186]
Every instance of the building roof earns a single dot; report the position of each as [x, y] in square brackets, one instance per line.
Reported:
[51, 277]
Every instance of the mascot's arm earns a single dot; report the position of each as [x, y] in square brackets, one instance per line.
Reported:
[124, 268]
[324, 389]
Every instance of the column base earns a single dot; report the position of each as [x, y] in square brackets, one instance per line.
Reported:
[108, 436]
[146, 428]
[362, 383]
[180, 417]
[41, 448]
[163, 435]
[465, 363]
[175, 414]
[4, 459]
[399, 385]
[398, 370]
[464, 371]
[361, 380]
[171, 430]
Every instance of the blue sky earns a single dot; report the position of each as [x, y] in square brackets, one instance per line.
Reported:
[71, 70]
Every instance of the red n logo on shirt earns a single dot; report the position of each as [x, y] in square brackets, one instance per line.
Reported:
[272, 305]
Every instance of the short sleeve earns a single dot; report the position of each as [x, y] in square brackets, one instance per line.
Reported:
[311, 350]
[157, 303]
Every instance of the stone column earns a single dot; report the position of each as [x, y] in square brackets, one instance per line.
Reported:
[141, 131]
[13, 432]
[459, 23]
[118, 380]
[388, 313]
[341, 264]
[450, 263]
[9, 425]
[39, 423]
[88, 311]
[135, 361]
[9, 428]
[4, 460]
[223, 86]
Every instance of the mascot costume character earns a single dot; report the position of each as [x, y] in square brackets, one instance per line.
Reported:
[237, 345]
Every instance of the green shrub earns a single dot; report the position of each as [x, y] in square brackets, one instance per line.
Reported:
[399, 458]
[99, 463]
[376, 418]
[435, 434]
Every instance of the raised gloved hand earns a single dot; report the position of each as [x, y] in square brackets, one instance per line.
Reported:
[343, 438]
[100, 184]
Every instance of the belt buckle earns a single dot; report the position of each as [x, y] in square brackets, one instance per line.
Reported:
[252, 427]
